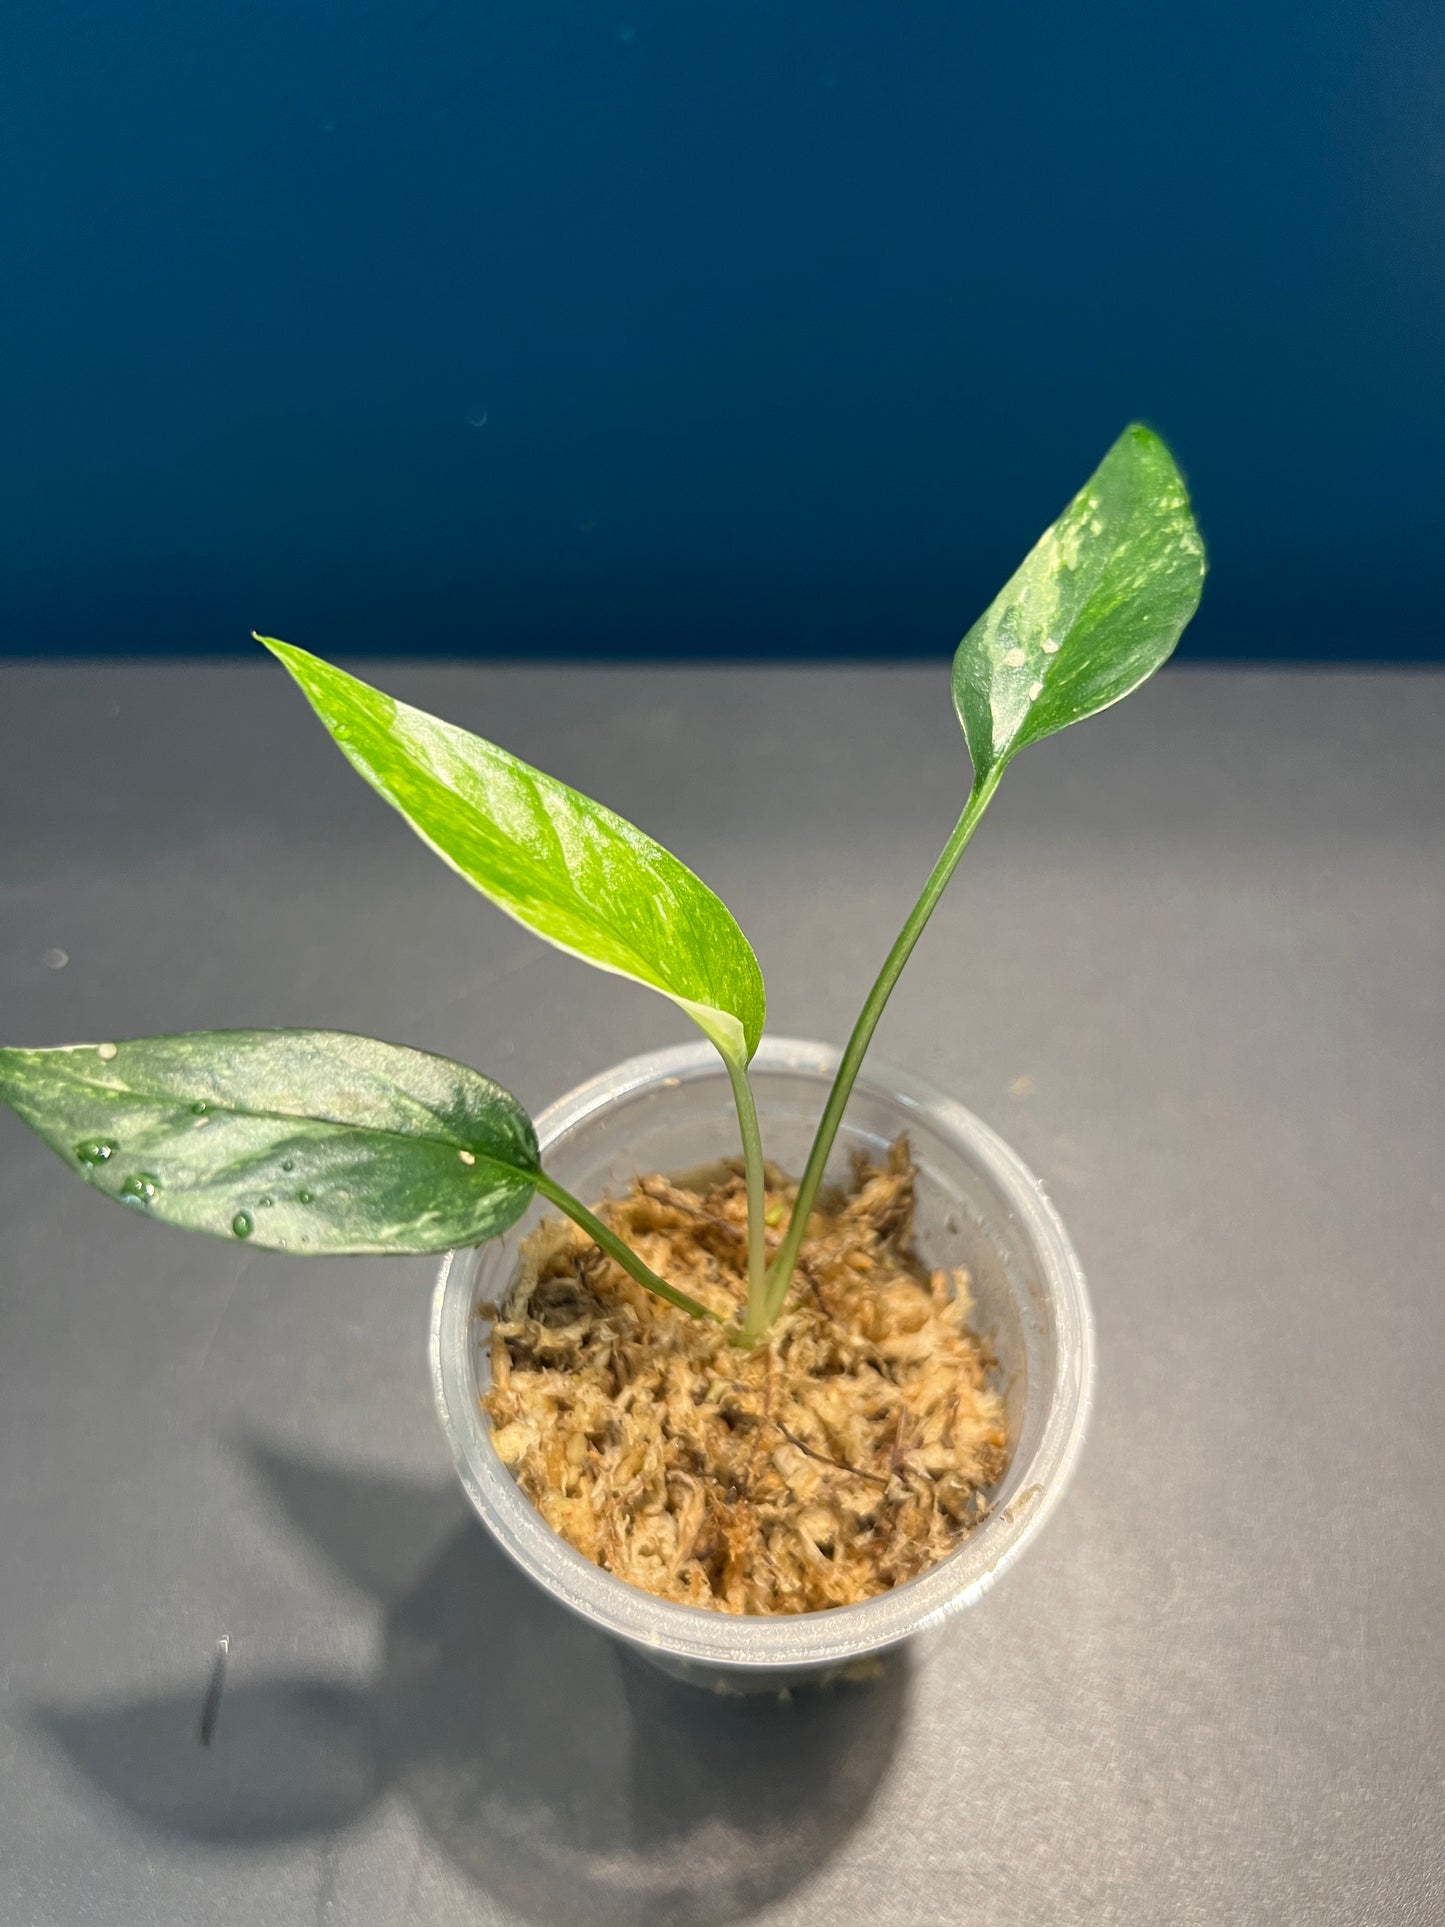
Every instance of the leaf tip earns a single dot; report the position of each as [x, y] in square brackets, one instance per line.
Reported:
[285, 652]
[292, 659]
[309, 672]
[1148, 443]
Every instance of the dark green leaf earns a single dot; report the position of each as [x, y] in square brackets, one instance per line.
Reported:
[570, 870]
[1097, 605]
[301, 1140]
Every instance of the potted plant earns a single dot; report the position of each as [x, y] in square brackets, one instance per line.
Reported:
[733, 1409]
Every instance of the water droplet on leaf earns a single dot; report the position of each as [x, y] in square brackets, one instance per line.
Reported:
[140, 1189]
[303, 1197]
[95, 1152]
[242, 1224]
[264, 1204]
[288, 1164]
[200, 1107]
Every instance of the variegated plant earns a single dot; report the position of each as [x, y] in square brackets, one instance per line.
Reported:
[323, 1142]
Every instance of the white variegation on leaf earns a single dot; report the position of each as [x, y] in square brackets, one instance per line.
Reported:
[311, 1141]
[1094, 608]
[570, 870]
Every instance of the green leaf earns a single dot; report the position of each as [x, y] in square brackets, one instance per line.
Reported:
[1097, 605]
[303, 1140]
[570, 870]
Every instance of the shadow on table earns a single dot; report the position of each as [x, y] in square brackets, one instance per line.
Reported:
[559, 1773]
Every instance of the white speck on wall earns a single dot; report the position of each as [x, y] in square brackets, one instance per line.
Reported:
[56, 959]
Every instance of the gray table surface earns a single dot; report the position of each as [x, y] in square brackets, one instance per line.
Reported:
[1191, 968]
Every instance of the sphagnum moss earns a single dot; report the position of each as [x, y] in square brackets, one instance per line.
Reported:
[846, 1454]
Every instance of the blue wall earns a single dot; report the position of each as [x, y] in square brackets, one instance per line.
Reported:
[708, 326]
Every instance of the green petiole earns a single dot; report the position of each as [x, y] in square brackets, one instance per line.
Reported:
[757, 1320]
[780, 1274]
[616, 1248]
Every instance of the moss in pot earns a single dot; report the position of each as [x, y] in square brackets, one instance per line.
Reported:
[845, 1455]
[745, 1391]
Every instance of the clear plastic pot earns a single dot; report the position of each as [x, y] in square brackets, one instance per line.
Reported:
[978, 1205]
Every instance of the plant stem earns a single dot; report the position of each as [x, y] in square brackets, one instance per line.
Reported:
[757, 1319]
[616, 1249]
[781, 1274]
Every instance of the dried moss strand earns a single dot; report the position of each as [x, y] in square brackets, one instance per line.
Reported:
[826, 1458]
